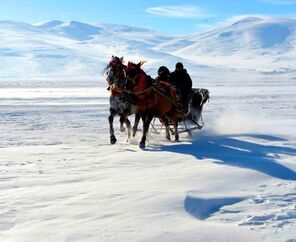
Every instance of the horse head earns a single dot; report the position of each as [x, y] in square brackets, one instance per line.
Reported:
[199, 97]
[134, 69]
[137, 79]
[116, 71]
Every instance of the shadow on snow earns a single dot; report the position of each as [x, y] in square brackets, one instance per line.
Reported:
[202, 208]
[230, 150]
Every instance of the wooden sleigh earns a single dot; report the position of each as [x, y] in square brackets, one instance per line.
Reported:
[192, 121]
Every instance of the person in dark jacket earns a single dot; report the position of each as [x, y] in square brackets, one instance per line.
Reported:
[181, 79]
[162, 81]
[163, 74]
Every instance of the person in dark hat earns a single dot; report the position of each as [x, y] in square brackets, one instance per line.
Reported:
[183, 83]
[162, 81]
[163, 74]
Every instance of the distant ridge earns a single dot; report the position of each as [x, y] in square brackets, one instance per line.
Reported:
[73, 49]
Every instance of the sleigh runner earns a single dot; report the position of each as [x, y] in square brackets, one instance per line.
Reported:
[185, 126]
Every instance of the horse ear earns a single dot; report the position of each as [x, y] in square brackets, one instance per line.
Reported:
[121, 59]
[141, 63]
[112, 56]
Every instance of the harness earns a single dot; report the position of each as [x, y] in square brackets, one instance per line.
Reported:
[115, 90]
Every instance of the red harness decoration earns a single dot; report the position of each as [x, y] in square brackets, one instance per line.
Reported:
[140, 84]
[172, 92]
[145, 96]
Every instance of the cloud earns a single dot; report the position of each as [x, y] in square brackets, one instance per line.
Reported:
[178, 11]
[280, 2]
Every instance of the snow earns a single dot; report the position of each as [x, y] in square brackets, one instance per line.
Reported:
[269, 41]
[61, 180]
[73, 30]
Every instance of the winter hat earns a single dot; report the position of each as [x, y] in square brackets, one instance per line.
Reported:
[163, 70]
[179, 65]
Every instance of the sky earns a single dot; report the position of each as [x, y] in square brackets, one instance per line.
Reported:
[174, 17]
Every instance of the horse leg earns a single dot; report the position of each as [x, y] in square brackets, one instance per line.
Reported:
[136, 123]
[122, 120]
[176, 131]
[129, 127]
[146, 123]
[167, 130]
[111, 118]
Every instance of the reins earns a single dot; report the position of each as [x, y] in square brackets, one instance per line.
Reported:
[165, 96]
[121, 90]
[131, 92]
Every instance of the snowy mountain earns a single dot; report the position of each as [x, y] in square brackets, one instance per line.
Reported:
[84, 31]
[73, 30]
[256, 42]
[49, 50]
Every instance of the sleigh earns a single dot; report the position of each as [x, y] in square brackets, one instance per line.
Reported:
[186, 125]
[191, 121]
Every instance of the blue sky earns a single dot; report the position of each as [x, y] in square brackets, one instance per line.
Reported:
[176, 17]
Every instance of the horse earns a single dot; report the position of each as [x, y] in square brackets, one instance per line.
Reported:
[116, 78]
[198, 97]
[152, 101]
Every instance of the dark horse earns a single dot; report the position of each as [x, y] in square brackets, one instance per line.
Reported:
[152, 101]
[116, 78]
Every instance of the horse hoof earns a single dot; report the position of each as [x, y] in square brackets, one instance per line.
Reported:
[168, 138]
[142, 145]
[113, 139]
[122, 129]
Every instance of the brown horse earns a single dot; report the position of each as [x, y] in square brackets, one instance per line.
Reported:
[152, 101]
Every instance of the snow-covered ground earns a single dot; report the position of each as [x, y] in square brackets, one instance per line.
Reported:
[61, 180]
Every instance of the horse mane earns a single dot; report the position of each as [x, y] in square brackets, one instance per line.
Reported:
[106, 69]
[108, 66]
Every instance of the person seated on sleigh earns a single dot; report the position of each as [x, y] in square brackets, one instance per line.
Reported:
[183, 83]
[163, 79]
[162, 83]
[163, 74]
